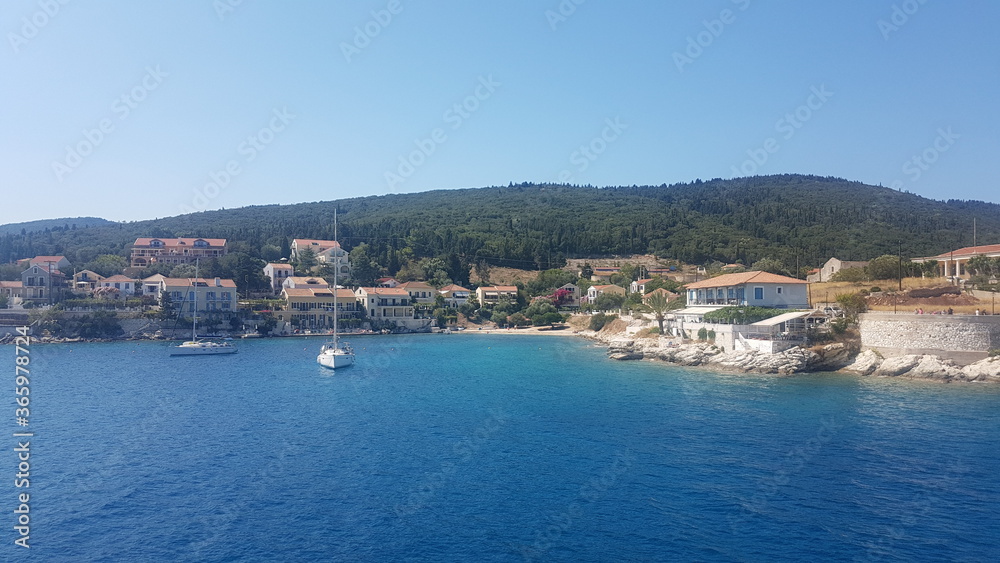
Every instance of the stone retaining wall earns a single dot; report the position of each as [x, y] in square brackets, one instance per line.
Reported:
[962, 338]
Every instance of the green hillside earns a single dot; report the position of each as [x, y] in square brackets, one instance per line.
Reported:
[792, 218]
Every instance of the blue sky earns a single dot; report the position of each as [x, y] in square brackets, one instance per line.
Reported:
[136, 110]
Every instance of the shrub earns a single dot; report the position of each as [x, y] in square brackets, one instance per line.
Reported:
[876, 289]
[702, 333]
[598, 321]
[994, 352]
[839, 326]
[711, 335]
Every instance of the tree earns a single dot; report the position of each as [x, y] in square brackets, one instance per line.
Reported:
[540, 312]
[305, 260]
[483, 271]
[107, 265]
[364, 270]
[548, 280]
[267, 324]
[658, 282]
[770, 265]
[608, 301]
[586, 271]
[850, 275]
[518, 319]
[853, 304]
[166, 306]
[658, 303]
[270, 252]
[629, 272]
[887, 267]
[184, 271]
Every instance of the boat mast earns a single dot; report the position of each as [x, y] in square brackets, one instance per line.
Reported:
[194, 314]
[336, 266]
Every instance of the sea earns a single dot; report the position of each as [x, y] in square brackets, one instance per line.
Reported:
[475, 447]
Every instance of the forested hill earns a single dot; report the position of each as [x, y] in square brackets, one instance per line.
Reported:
[793, 218]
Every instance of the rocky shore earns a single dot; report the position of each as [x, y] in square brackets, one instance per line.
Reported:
[832, 357]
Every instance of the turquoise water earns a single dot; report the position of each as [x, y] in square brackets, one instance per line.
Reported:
[494, 448]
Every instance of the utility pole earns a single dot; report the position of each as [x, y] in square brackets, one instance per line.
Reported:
[900, 269]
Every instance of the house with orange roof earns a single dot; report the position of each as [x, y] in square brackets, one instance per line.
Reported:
[492, 294]
[313, 307]
[150, 250]
[596, 291]
[420, 292]
[757, 289]
[391, 305]
[86, 280]
[954, 264]
[212, 295]
[11, 289]
[639, 286]
[55, 262]
[118, 285]
[326, 252]
[454, 295]
[277, 272]
[42, 283]
[314, 282]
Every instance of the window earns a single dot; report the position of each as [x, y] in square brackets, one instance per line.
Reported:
[779, 291]
[758, 293]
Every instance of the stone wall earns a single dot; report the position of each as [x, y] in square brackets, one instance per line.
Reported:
[962, 338]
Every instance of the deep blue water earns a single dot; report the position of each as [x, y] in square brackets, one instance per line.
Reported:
[494, 448]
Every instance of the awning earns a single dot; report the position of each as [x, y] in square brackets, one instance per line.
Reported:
[782, 318]
[698, 310]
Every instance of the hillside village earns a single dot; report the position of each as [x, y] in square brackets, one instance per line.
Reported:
[733, 306]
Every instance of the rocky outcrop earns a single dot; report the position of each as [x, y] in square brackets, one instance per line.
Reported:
[833, 357]
[983, 370]
[623, 345]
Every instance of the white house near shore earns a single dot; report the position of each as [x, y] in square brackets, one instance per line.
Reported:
[757, 289]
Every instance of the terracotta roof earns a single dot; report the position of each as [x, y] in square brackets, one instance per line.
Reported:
[278, 266]
[307, 280]
[726, 280]
[385, 279]
[499, 288]
[647, 280]
[11, 284]
[386, 291]
[324, 244]
[603, 287]
[44, 259]
[144, 241]
[453, 287]
[971, 251]
[320, 292]
[416, 285]
[189, 282]
[118, 278]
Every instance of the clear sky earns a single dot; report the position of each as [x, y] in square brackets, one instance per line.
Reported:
[134, 110]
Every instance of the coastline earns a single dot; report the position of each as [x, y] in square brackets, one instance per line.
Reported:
[623, 346]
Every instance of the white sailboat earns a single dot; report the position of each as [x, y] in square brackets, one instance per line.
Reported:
[195, 347]
[332, 355]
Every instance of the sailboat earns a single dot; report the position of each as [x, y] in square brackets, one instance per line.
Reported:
[332, 355]
[195, 347]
